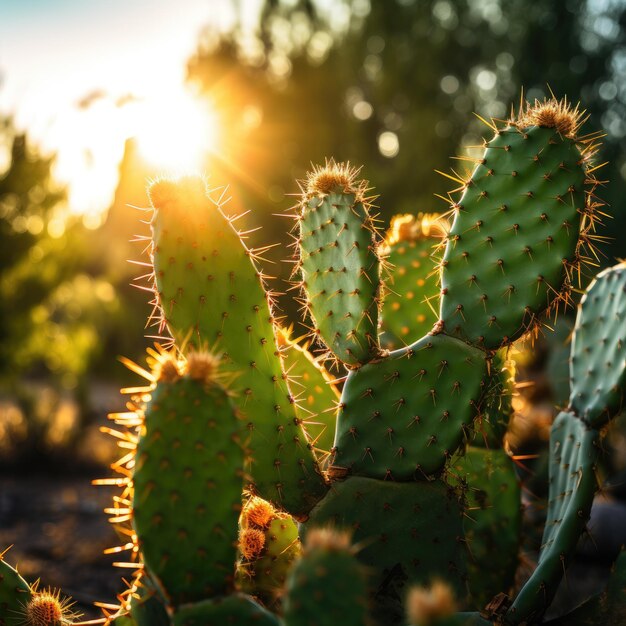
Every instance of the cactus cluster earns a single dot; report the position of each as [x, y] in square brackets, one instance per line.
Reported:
[256, 488]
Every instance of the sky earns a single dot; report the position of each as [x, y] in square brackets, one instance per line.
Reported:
[83, 75]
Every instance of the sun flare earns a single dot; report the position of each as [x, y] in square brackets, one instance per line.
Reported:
[177, 133]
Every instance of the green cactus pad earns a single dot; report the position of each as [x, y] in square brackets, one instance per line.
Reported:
[574, 451]
[401, 418]
[315, 391]
[15, 593]
[264, 576]
[412, 295]
[598, 361]
[327, 585]
[340, 264]
[187, 489]
[515, 236]
[233, 610]
[406, 532]
[492, 521]
[210, 293]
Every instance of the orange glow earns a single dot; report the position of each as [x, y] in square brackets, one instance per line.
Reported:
[176, 133]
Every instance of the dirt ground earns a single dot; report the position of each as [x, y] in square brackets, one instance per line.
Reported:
[59, 532]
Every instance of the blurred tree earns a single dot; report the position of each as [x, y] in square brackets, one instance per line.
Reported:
[50, 308]
[392, 85]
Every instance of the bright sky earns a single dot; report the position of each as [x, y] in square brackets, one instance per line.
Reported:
[55, 54]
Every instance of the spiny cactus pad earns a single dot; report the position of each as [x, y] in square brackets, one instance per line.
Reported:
[315, 390]
[516, 234]
[403, 417]
[187, 488]
[406, 532]
[598, 361]
[492, 522]
[211, 294]
[327, 586]
[339, 263]
[411, 304]
[15, 593]
[574, 449]
[236, 609]
[262, 572]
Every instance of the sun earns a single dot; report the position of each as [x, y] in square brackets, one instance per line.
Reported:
[177, 132]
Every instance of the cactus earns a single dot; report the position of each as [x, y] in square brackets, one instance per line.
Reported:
[15, 593]
[268, 545]
[575, 437]
[187, 481]
[209, 292]
[327, 586]
[316, 392]
[396, 477]
[340, 264]
[412, 294]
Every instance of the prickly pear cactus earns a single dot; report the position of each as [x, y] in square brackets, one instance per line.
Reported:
[315, 391]
[210, 293]
[519, 231]
[15, 593]
[327, 586]
[575, 438]
[188, 480]
[412, 292]
[268, 546]
[515, 240]
[339, 263]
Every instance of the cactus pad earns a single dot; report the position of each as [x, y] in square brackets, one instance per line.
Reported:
[412, 295]
[15, 593]
[233, 610]
[268, 544]
[492, 522]
[327, 586]
[407, 532]
[339, 262]
[574, 451]
[598, 361]
[210, 293]
[516, 234]
[402, 417]
[187, 486]
[314, 389]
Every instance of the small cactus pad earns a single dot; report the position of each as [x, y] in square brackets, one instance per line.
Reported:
[210, 293]
[403, 417]
[407, 532]
[492, 521]
[574, 451]
[15, 593]
[187, 488]
[339, 262]
[268, 544]
[315, 391]
[411, 304]
[327, 586]
[233, 610]
[516, 235]
[598, 361]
